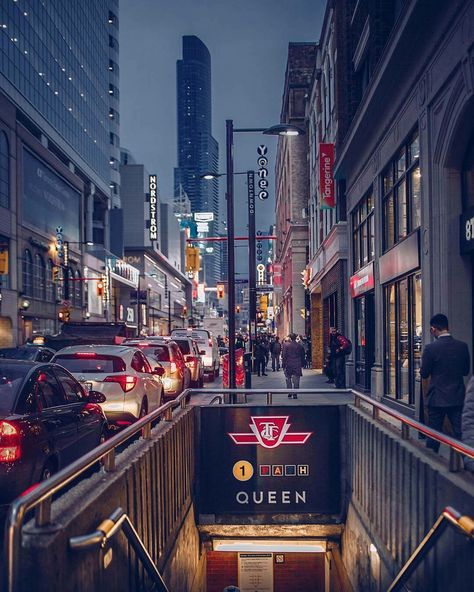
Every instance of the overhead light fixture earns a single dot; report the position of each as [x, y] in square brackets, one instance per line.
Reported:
[284, 129]
[269, 546]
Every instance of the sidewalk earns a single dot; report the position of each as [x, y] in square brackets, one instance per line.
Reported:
[311, 379]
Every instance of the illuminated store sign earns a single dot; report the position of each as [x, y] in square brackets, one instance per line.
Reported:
[152, 190]
[326, 177]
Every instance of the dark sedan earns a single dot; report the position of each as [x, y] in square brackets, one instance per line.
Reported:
[34, 353]
[47, 420]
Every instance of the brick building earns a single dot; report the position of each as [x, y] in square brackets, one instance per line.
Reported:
[292, 188]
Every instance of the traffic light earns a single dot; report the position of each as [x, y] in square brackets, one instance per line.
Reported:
[220, 291]
[305, 277]
[100, 288]
[193, 259]
[303, 313]
[237, 309]
[55, 274]
[185, 311]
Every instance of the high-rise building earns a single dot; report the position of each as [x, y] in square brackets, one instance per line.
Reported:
[198, 151]
[59, 154]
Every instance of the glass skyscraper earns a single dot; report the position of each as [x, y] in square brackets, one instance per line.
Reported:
[198, 151]
[59, 65]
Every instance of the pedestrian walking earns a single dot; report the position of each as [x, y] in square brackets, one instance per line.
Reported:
[259, 354]
[340, 347]
[468, 423]
[276, 352]
[444, 364]
[292, 363]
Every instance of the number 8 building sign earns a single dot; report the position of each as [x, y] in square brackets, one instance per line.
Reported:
[262, 172]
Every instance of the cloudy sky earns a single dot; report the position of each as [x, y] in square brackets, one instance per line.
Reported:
[248, 41]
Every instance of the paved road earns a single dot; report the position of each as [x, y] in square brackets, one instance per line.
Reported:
[276, 380]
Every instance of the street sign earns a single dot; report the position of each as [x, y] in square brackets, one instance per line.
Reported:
[270, 460]
[267, 288]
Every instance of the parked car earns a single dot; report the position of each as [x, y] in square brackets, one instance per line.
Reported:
[208, 349]
[34, 353]
[164, 350]
[47, 420]
[122, 373]
[193, 360]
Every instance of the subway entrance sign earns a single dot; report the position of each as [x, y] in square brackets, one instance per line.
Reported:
[270, 460]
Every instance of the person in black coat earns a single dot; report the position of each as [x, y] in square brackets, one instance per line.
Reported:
[444, 364]
[260, 355]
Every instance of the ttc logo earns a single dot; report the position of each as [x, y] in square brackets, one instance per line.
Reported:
[270, 432]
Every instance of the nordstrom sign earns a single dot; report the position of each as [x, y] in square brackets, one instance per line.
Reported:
[152, 190]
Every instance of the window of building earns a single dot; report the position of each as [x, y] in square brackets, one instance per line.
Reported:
[401, 187]
[363, 238]
[5, 252]
[49, 282]
[39, 279]
[403, 324]
[27, 273]
[78, 290]
[4, 171]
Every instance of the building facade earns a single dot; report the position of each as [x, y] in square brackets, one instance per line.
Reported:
[198, 151]
[291, 192]
[326, 109]
[407, 162]
[59, 122]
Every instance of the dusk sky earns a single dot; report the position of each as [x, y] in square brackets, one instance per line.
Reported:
[248, 41]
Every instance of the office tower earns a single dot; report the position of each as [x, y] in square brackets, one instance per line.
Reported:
[59, 126]
[198, 151]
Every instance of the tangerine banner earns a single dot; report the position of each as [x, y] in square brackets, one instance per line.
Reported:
[326, 175]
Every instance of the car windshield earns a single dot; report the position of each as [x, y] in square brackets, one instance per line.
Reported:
[18, 353]
[11, 379]
[183, 345]
[90, 363]
[158, 352]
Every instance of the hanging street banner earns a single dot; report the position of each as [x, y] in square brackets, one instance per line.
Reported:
[270, 460]
[152, 190]
[326, 175]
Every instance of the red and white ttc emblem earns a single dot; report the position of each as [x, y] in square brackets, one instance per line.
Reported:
[270, 432]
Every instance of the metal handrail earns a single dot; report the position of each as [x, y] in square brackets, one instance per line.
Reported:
[41, 496]
[449, 516]
[104, 533]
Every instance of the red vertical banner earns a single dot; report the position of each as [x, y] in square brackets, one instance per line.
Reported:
[326, 175]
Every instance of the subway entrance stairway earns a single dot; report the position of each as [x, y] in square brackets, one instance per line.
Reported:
[332, 492]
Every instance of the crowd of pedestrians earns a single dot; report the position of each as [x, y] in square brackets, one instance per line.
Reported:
[444, 365]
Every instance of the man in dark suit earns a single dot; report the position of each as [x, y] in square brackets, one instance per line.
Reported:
[444, 364]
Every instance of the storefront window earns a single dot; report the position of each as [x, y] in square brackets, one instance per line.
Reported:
[5, 253]
[27, 273]
[4, 171]
[49, 282]
[39, 278]
[391, 341]
[401, 185]
[403, 323]
[363, 232]
[78, 290]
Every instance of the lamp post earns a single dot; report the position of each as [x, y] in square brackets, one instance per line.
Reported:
[276, 130]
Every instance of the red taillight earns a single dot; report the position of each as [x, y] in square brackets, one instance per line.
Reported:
[210, 342]
[191, 361]
[173, 367]
[10, 442]
[85, 355]
[126, 382]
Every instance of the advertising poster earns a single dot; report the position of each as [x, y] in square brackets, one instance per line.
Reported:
[49, 201]
[262, 460]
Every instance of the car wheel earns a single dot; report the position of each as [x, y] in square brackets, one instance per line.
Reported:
[212, 376]
[218, 370]
[201, 382]
[143, 409]
[47, 471]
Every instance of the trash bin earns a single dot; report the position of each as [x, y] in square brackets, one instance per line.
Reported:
[248, 370]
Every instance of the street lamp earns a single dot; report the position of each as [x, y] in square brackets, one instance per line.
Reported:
[278, 130]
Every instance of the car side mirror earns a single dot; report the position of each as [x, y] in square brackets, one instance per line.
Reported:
[202, 352]
[96, 397]
[159, 371]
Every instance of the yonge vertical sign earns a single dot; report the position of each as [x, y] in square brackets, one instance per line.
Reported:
[153, 192]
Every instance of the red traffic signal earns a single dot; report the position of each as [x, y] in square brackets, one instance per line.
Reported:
[220, 291]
